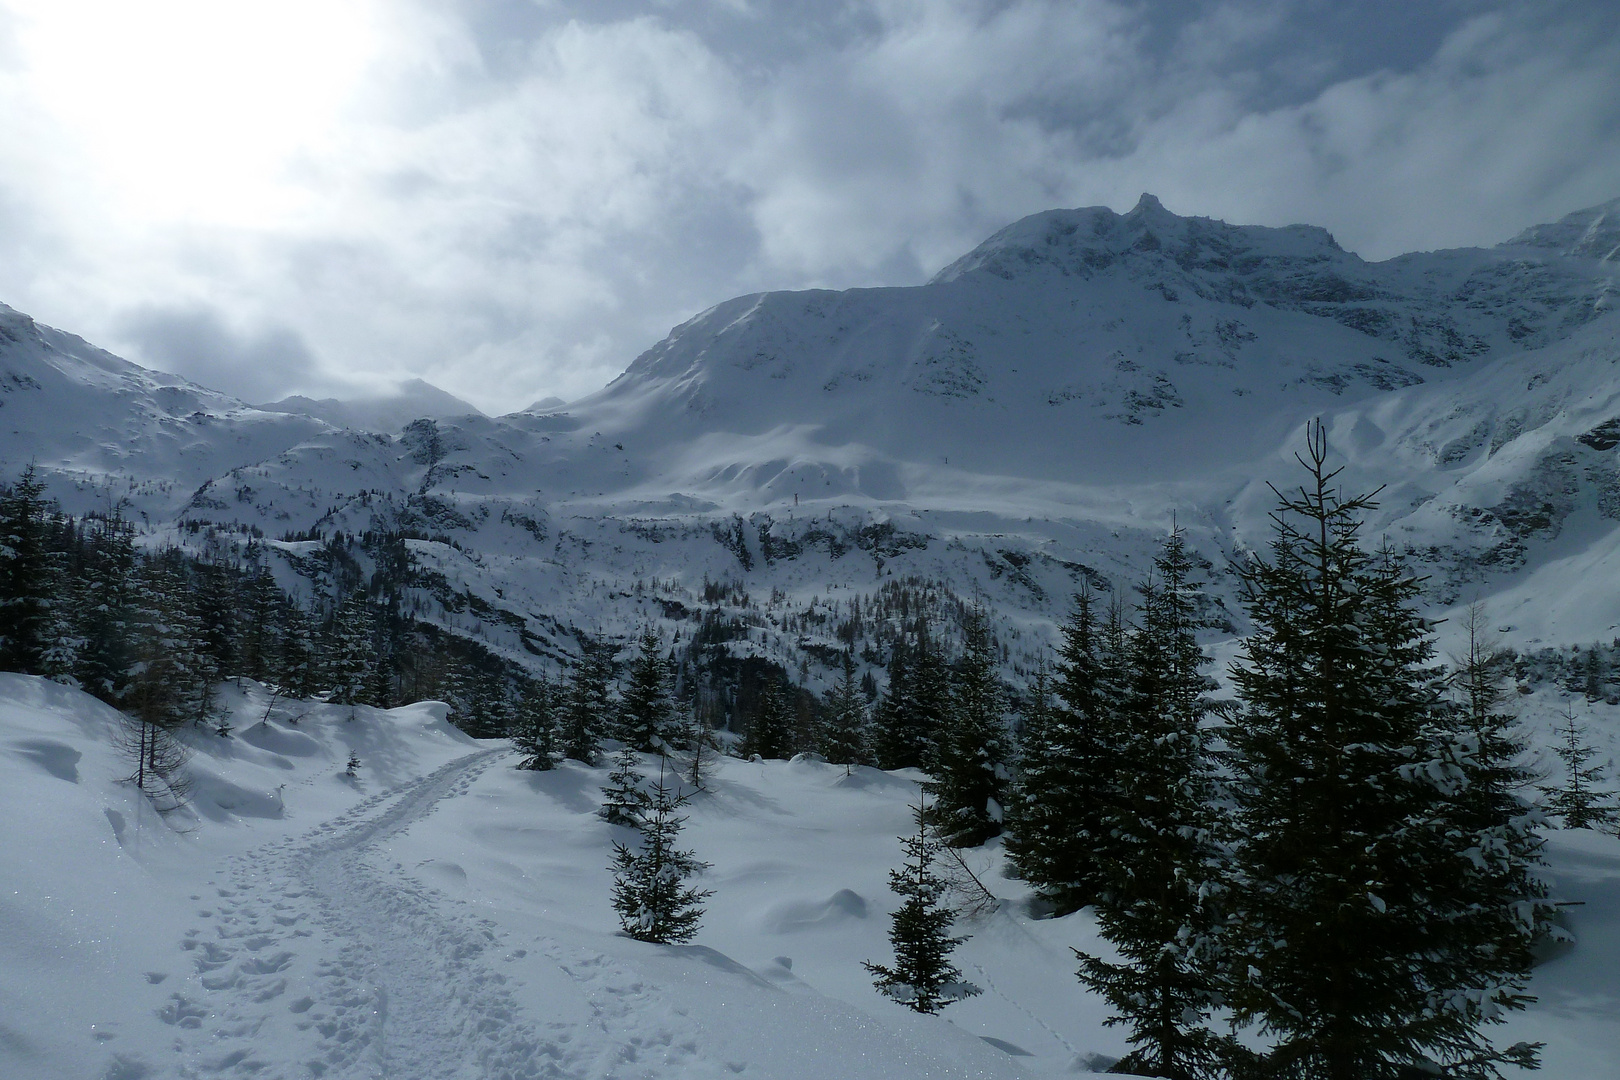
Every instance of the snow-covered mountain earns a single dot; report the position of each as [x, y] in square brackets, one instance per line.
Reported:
[413, 399]
[1031, 418]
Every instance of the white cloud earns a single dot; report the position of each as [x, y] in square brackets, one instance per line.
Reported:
[512, 199]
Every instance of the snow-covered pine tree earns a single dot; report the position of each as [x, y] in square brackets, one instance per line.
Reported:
[923, 977]
[624, 797]
[27, 581]
[534, 733]
[913, 710]
[350, 652]
[298, 668]
[215, 604]
[647, 706]
[587, 704]
[1501, 871]
[844, 734]
[1068, 770]
[1158, 858]
[650, 893]
[101, 609]
[1346, 894]
[168, 674]
[164, 680]
[1582, 802]
[701, 745]
[770, 730]
[352, 769]
[975, 745]
[261, 602]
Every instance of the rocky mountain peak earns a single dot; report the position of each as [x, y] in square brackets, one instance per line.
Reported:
[1148, 240]
[1592, 233]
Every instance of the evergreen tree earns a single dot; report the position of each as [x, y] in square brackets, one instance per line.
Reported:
[587, 705]
[701, 745]
[1069, 768]
[352, 769]
[1349, 883]
[650, 893]
[534, 734]
[1159, 863]
[1581, 803]
[27, 581]
[922, 978]
[844, 735]
[101, 610]
[624, 797]
[770, 732]
[350, 654]
[298, 671]
[1500, 872]
[974, 746]
[168, 678]
[215, 604]
[912, 712]
[647, 709]
[261, 602]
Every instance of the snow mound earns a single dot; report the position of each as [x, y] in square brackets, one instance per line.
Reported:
[796, 916]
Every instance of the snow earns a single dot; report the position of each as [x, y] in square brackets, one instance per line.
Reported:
[1032, 419]
[445, 915]
[1035, 416]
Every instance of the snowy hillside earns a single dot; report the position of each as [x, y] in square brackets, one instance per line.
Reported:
[257, 933]
[105, 429]
[1029, 420]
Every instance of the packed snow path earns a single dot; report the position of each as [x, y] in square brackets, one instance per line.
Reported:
[315, 944]
[318, 944]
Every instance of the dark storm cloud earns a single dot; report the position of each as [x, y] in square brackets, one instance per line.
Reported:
[257, 367]
[523, 195]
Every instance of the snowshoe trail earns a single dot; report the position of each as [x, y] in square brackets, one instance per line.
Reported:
[313, 943]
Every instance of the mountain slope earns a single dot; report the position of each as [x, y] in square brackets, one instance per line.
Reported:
[1030, 419]
[103, 429]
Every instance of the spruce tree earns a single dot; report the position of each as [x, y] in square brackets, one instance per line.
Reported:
[844, 735]
[587, 703]
[1501, 871]
[261, 601]
[923, 977]
[168, 677]
[27, 581]
[350, 653]
[1158, 859]
[1349, 882]
[647, 708]
[1068, 768]
[913, 710]
[101, 610]
[650, 893]
[215, 604]
[971, 766]
[1581, 803]
[700, 743]
[770, 731]
[298, 669]
[624, 797]
[534, 733]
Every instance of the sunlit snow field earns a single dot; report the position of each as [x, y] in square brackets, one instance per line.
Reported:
[445, 915]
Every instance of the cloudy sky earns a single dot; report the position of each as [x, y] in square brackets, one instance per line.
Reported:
[513, 198]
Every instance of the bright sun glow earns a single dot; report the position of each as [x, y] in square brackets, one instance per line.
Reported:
[196, 110]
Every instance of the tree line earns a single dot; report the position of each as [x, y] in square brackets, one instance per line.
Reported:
[1342, 863]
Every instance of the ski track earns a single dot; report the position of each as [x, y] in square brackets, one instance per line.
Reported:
[312, 959]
